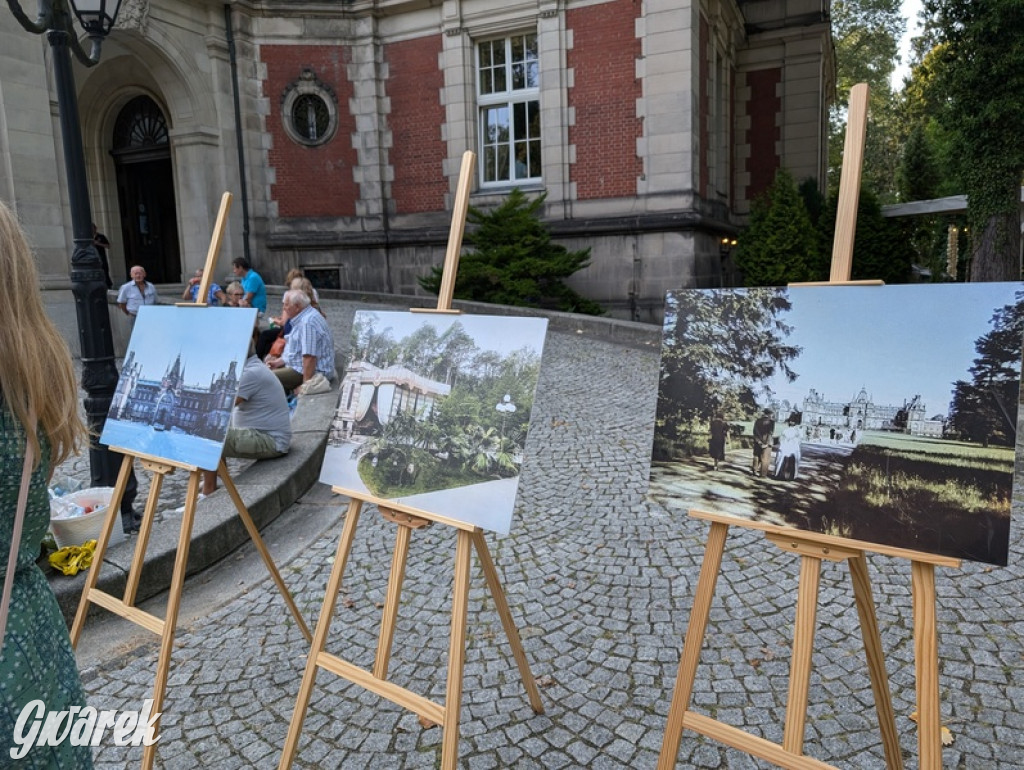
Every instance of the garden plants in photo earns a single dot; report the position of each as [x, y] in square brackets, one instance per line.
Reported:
[434, 412]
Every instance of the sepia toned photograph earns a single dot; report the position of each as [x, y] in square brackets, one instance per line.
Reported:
[178, 383]
[886, 414]
[434, 412]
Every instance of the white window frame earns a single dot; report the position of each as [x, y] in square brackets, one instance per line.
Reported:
[508, 89]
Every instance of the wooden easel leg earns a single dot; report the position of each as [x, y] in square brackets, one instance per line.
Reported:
[323, 626]
[803, 646]
[507, 622]
[142, 541]
[387, 622]
[113, 514]
[173, 605]
[254, 535]
[456, 652]
[690, 656]
[876, 661]
[926, 656]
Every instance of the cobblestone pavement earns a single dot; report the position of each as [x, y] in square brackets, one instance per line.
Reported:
[600, 582]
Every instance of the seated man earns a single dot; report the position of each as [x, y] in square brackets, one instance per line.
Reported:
[308, 347]
[214, 296]
[261, 425]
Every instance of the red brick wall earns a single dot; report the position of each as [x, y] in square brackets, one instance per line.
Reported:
[311, 181]
[603, 56]
[417, 151]
[763, 108]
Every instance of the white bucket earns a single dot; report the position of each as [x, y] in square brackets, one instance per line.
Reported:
[79, 529]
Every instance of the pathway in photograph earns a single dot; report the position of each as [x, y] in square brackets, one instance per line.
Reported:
[735, 489]
[600, 581]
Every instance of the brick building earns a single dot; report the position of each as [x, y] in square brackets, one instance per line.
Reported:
[340, 126]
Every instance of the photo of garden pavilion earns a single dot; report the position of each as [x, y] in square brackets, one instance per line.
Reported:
[884, 414]
[178, 384]
[434, 411]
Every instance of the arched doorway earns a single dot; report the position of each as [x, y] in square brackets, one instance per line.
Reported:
[145, 191]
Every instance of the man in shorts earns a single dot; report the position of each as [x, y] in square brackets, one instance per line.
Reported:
[261, 425]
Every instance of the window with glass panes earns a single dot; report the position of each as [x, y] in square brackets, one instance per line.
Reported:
[508, 83]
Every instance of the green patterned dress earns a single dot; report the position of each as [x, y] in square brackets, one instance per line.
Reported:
[36, 662]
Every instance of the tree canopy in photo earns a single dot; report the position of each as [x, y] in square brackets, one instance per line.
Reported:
[984, 409]
[719, 348]
[465, 438]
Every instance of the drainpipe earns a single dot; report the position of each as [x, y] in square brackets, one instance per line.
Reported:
[230, 37]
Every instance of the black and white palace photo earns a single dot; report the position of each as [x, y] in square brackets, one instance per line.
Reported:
[886, 414]
[178, 383]
[434, 411]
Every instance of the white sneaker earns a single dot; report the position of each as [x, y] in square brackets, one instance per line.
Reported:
[182, 508]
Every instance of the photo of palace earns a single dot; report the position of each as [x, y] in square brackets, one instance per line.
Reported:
[169, 403]
[861, 413]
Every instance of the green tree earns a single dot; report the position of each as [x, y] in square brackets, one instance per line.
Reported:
[780, 244]
[920, 178]
[919, 175]
[866, 35]
[515, 262]
[718, 350]
[979, 98]
[879, 250]
[985, 408]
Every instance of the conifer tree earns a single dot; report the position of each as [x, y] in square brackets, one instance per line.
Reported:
[515, 262]
[780, 245]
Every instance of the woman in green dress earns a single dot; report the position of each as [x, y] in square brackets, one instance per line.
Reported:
[36, 660]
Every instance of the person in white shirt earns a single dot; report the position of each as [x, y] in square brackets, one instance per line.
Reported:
[136, 293]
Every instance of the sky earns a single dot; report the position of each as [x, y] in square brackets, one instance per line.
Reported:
[894, 341]
[500, 334]
[208, 338]
[910, 10]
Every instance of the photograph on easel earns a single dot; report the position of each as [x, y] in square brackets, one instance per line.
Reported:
[434, 411]
[886, 414]
[178, 383]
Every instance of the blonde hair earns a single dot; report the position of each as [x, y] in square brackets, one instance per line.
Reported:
[302, 284]
[295, 272]
[37, 375]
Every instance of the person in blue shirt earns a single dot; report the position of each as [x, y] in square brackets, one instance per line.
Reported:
[252, 283]
[214, 296]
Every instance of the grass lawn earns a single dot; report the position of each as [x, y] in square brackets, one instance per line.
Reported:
[932, 495]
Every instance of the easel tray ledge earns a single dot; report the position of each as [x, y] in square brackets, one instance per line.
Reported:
[381, 502]
[828, 540]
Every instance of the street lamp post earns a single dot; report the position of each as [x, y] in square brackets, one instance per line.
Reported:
[506, 407]
[99, 374]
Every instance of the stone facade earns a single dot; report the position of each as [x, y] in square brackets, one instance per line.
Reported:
[650, 125]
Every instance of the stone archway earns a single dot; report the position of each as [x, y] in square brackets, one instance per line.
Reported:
[172, 68]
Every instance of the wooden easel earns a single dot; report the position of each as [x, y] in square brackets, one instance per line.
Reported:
[813, 549]
[407, 520]
[125, 606]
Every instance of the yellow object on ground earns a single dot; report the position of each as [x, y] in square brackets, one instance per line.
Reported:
[73, 558]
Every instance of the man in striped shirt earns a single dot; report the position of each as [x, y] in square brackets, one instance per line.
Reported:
[309, 346]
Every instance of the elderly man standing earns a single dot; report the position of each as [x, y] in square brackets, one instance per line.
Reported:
[136, 293]
[309, 346]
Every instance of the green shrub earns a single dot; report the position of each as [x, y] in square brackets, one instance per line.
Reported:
[514, 261]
